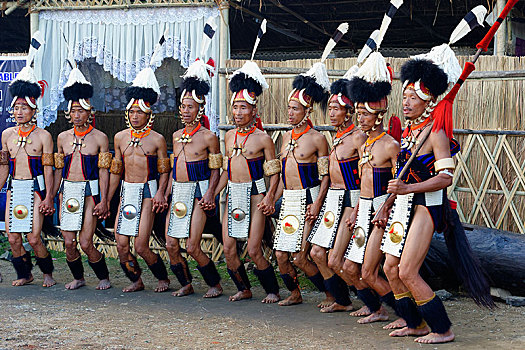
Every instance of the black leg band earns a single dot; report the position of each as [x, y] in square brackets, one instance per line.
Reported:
[389, 299]
[45, 264]
[20, 265]
[433, 312]
[158, 269]
[268, 280]
[406, 308]
[209, 274]
[131, 269]
[290, 282]
[240, 278]
[182, 272]
[318, 281]
[27, 260]
[100, 268]
[76, 267]
[338, 288]
[370, 299]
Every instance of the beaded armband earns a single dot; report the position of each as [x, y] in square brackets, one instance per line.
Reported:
[48, 159]
[172, 160]
[4, 157]
[215, 161]
[104, 160]
[322, 165]
[445, 163]
[59, 160]
[163, 165]
[272, 167]
[116, 166]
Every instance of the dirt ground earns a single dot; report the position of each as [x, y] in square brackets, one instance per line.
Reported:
[33, 317]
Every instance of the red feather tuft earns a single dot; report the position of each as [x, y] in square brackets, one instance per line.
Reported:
[442, 114]
[394, 127]
[211, 63]
[205, 122]
[258, 123]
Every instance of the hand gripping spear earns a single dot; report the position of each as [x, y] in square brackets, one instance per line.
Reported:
[447, 101]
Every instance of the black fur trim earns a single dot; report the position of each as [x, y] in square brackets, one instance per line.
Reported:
[76, 268]
[100, 268]
[240, 278]
[137, 93]
[311, 88]
[435, 315]
[158, 269]
[290, 282]
[182, 272]
[201, 87]
[21, 268]
[363, 91]
[77, 91]
[406, 308]
[45, 264]
[341, 86]
[370, 299]
[339, 289]
[318, 281]
[389, 299]
[209, 274]
[23, 88]
[433, 77]
[241, 81]
[267, 279]
[131, 269]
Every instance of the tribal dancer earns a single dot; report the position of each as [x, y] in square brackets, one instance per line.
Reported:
[250, 156]
[369, 89]
[421, 205]
[196, 161]
[82, 164]
[26, 162]
[141, 156]
[340, 200]
[304, 156]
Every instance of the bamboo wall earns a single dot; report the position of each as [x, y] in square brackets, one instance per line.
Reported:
[480, 104]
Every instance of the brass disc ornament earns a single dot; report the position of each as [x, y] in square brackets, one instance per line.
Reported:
[72, 205]
[290, 224]
[395, 233]
[329, 219]
[180, 210]
[20, 212]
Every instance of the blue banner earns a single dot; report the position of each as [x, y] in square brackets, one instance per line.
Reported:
[9, 68]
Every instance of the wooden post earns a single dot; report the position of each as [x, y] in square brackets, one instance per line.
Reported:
[499, 39]
[224, 54]
[33, 22]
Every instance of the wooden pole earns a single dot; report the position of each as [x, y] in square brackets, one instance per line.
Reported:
[33, 22]
[499, 40]
[224, 54]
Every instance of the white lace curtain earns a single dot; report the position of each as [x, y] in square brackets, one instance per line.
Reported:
[122, 42]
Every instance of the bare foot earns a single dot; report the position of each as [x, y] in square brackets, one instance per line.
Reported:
[103, 284]
[364, 311]
[335, 307]
[22, 281]
[163, 286]
[294, 299]
[75, 284]
[327, 302]
[405, 331]
[245, 294]
[48, 281]
[186, 290]
[271, 298]
[399, 323]
[134, 287]
[435, 338]
[379, 315]
[213, 292]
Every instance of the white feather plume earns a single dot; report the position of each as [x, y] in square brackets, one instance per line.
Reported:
[206, 40]
[343, 29]
[252, 70]
[386, 22]
[351, 72]
[320, 75]
[463, 28]
[445, 58]
[366, 50]
[258, 39]
[146, 79]
[374, 69]
[76, 76]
